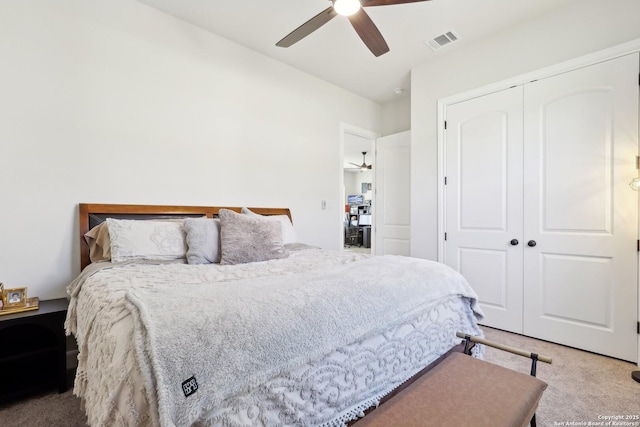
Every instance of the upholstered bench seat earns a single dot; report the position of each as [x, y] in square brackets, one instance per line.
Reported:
[462, 391]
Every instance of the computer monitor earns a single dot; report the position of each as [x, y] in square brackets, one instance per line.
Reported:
[364, 219]
[355, 199]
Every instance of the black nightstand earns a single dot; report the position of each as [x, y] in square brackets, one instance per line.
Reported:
[33, 350]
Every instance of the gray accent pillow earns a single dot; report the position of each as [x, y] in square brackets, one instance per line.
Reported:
[203, 240]
[245, 239]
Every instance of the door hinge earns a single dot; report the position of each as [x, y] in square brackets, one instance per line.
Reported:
[637, 162]
[445, 180]
[638, 328]
[638, 245]
[445, 125]
[445, 235]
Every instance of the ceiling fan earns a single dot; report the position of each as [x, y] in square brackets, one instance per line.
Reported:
[361, 22]
[364, 166]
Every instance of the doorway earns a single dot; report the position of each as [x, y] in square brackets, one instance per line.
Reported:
[358, 189]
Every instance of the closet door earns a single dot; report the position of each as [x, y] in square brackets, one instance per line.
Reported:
[483, 220]
[581, 141]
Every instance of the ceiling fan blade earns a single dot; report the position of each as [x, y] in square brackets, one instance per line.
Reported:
[308, 27]
[368, 32]
[367, 3]
[356, 165]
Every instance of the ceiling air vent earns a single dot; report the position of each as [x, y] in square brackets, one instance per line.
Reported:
[442, 40]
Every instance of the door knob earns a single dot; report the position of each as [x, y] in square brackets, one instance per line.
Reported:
[514, 242]
[531, 243]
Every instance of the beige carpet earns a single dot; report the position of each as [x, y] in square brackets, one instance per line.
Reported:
[582, 388]
[47, 410]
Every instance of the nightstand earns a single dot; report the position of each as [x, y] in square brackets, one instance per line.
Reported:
[33, 350]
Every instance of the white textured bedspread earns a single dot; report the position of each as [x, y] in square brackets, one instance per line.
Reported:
[233, 329]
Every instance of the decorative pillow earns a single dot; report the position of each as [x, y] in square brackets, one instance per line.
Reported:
[244, 238]
[288, 233]
[99, 243]
[203, 240]
[155, 240]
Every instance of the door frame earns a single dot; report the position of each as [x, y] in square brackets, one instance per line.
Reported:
[346, 128]
[562, 67]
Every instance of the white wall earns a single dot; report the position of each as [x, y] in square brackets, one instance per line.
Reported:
[115, 102]
[353, 184]
[582, 27]
[396, 115]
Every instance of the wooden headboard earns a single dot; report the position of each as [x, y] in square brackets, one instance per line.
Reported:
[93, 214]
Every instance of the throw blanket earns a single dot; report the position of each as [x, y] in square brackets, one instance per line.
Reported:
[197, 347]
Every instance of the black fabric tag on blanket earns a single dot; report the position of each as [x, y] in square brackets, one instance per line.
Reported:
[190, 386]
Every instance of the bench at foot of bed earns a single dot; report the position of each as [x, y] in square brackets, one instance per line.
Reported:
[462, 391]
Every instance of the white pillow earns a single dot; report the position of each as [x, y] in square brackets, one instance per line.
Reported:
[154, 240]
[288, 232]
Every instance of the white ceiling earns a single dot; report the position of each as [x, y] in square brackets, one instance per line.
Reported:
[336, 54]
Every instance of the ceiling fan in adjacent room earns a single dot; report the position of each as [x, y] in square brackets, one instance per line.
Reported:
[364, 166]
[361, 22]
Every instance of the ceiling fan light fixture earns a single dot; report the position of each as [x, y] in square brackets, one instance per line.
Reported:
[346, 7]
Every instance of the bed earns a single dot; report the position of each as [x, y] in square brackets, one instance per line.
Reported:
[300, 336]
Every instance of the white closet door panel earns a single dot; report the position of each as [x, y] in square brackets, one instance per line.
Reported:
[572, 175]
[483, 156]
[580, 281]
[484, 202]
[487, 270]
[586, 297]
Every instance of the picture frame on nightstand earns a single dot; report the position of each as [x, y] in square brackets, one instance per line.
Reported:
[14, 298]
